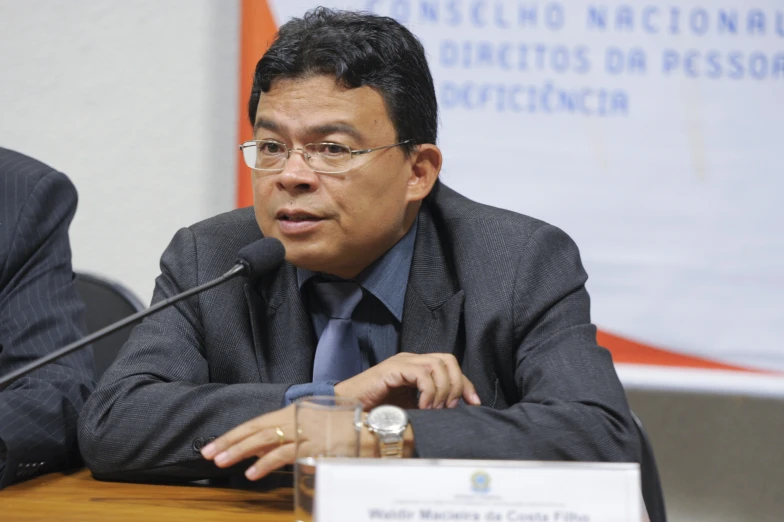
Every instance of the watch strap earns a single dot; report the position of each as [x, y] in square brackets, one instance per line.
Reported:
[390, 446]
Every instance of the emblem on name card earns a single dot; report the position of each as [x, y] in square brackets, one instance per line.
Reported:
[480, 482]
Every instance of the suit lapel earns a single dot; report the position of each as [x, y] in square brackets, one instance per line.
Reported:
[432, 331]
[282, 331]
[432, 315]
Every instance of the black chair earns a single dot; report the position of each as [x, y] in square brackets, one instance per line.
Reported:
[652, 493]
[106, 302]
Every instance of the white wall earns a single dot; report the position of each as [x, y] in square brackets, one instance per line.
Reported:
[137, 102]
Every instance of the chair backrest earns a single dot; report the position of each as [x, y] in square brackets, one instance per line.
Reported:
[652, 493]
[106, 302]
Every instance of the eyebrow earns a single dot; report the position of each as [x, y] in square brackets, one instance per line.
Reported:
[340, 128]
[269, 125]
[318, 130]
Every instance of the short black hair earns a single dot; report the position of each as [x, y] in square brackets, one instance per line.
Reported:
[357, 49]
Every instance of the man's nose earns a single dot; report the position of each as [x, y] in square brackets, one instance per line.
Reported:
[298, 175]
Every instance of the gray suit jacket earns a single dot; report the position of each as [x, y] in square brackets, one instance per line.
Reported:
[39, 312]
[501, 291]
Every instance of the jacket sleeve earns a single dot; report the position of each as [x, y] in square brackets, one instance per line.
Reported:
[156, 406]
[40, 312]
[571, 405]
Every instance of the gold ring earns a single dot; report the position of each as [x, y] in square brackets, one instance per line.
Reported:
[281, 436]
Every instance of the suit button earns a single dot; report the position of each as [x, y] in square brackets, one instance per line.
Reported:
[198, 444]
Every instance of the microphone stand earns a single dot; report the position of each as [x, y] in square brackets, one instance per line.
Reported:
[103, 332]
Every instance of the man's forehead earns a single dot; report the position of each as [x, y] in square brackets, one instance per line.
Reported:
[327, 127]
[319, 104]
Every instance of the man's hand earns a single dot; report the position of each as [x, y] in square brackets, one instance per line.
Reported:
[258, 437]
[437, 377]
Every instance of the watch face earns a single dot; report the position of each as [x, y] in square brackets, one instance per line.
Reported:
[387, 419]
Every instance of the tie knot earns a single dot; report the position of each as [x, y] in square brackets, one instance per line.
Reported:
[339, 297]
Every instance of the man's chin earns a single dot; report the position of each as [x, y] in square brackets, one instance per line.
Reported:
[312, 261]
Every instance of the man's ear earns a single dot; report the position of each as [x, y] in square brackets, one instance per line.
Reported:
[425, 167]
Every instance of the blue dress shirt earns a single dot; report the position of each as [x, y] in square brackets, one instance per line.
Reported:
[378, 317]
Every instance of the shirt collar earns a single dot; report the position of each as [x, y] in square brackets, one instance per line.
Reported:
[386, 278]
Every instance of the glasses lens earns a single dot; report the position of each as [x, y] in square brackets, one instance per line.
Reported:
[264, 155]
[328, 157]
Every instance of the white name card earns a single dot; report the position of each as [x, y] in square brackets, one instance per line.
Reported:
[355, 490]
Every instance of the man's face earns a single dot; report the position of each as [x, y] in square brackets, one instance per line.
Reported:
[352, 218]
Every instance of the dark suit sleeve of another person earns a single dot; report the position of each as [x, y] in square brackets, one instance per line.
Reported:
[39, 312]
[557, 396]
[161, 401]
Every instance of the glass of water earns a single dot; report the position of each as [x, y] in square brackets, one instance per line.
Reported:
[327, 427]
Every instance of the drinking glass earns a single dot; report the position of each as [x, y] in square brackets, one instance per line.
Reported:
[327, 427]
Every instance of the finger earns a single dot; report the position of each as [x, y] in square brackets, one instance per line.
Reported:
[273, 460]
[440, 376]
[469, 392]
[419, 376]
[283, 418]
[231, 438]
[455, 379]
[257, 444]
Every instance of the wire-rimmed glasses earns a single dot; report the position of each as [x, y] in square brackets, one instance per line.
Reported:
[326, 158]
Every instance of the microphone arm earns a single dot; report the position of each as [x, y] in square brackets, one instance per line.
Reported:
[236, 270]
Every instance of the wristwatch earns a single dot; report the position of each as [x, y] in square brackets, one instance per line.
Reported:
[388, 424]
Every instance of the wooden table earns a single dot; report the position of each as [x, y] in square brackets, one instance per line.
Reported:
[77, 496]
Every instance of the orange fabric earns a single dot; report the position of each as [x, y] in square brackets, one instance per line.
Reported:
[627, 351]
[257, 33]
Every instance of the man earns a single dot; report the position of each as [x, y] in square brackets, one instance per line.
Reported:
[39, 312]
[395, 290]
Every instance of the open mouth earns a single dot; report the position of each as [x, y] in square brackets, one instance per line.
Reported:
[299, 217]
[295, 215]
[286, 217]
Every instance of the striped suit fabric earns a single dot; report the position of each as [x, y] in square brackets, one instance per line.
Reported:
[40, 311]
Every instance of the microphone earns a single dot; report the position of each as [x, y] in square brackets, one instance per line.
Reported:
[253, 261]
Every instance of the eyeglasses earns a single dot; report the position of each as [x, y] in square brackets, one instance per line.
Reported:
[326, 158]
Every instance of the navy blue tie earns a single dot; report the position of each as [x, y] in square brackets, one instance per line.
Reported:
[337, 353]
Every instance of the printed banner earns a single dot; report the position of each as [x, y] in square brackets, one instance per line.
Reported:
[649, 131]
